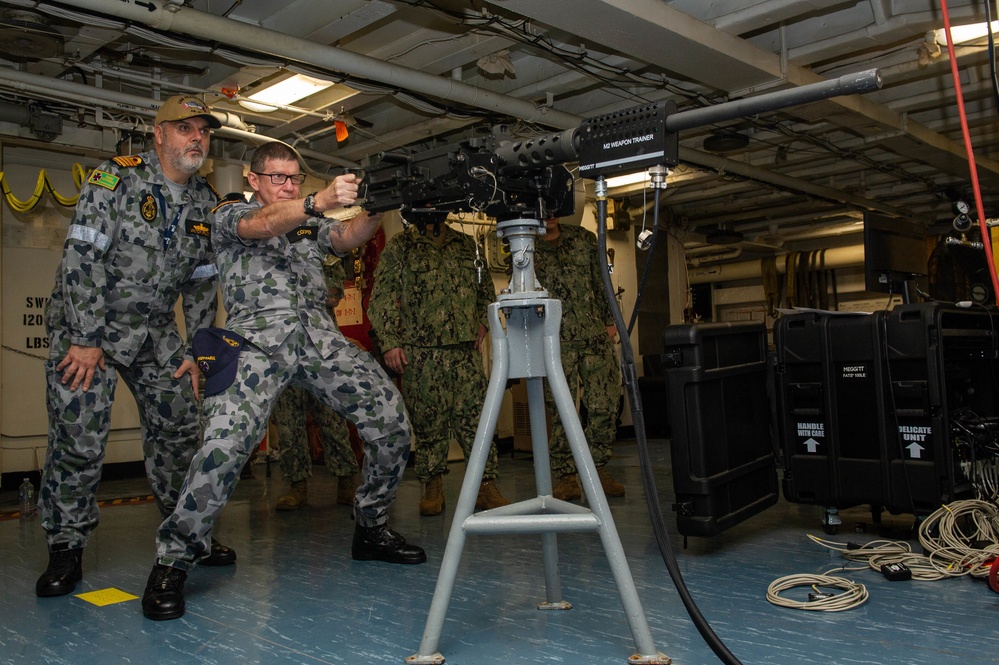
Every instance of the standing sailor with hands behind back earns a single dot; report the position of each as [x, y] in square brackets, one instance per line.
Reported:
[138, 240]
[567, 263]
[429, 307]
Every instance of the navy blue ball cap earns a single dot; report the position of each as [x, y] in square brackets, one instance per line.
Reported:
[216, 351]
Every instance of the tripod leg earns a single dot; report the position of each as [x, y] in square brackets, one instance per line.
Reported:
[591, 485]
[474, 469]
[543, 481]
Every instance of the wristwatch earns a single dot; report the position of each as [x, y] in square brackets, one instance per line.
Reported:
[310, 206]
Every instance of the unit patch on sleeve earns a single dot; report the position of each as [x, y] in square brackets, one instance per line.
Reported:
[302, 233]
[148, 208]
[104, 179]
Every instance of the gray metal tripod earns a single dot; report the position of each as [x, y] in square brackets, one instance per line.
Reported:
[529, 348]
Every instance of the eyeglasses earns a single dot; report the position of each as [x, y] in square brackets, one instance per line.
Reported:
[281, 178]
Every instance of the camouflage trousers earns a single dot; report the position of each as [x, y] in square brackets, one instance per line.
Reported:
[79, 423]
[594, 378]
[445, 389]
[348, 380]
[290, 419]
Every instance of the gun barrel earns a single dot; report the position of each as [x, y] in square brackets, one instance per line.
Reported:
[847, 84]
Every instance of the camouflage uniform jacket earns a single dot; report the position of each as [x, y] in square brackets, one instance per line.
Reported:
[428, 295]
[131, 250]
[269, 286]
[569, 270]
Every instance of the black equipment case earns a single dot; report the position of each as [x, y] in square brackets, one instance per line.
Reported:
[830, 392]
[893, 409]
[941, 364]
[724, 470]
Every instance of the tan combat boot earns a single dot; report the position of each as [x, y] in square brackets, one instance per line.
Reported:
[611, 486]
[346, 488]
[567, 488]
[432, 502]
[296, 498]
[489, 496]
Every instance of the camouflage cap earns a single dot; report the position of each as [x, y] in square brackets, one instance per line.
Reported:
[216, 351]
[182, 107]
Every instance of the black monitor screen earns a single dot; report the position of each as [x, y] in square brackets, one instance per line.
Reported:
[894, 253]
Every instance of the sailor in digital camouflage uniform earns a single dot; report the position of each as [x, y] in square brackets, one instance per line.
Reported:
[428, 309]
[290, 418]
[567, 265]
[140, 237]
[269, 253]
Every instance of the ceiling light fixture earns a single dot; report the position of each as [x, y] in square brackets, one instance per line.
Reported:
[627, 179]
[965, 33]
[284, 92]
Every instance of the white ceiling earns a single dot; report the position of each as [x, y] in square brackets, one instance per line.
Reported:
[898, 150]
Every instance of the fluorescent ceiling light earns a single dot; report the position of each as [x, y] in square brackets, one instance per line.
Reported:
[627, 179]
[965, 33]
[284, 93]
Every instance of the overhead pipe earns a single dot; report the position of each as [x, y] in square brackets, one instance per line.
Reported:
[232, 125]
[225, 117]
[712, 256]
[15, 113]
[29, 83]
[207, 26]
[837, 257]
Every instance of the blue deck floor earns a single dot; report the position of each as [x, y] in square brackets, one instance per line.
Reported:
[296, 597]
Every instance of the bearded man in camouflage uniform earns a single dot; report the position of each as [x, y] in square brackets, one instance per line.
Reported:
[567, 264]
[269, 253]
[428, 308]
[138, 240]
[290, 417]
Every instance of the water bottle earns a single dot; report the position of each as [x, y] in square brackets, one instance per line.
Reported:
[26, 494]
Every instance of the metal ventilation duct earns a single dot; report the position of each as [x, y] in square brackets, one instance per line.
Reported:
[25, 35]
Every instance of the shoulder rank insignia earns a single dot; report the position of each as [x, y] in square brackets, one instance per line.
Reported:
[199, 228]
[148, 208]
[104, 179]
[127, 160]
[223, 204]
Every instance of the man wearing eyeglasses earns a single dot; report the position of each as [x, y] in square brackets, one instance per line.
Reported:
[270, 253]
[139, 240]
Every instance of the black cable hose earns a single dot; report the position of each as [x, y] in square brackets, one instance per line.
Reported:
[648, 477]
[648, 266]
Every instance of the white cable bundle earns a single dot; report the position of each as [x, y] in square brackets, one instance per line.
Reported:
[877, 553]
[853, 594]
[962, 538]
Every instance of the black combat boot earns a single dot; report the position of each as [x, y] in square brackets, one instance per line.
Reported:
[380, 543]
[220, 555]
[64, 571]
[163, 598]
